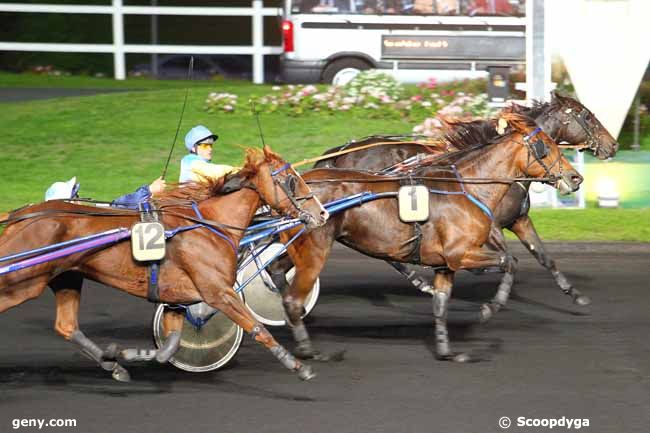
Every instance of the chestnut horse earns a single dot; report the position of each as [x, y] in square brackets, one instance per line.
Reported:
[199, 265]
[564, 119]
[454, 236]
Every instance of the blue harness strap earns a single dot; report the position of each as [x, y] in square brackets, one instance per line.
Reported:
[212, 229]
[486, 210]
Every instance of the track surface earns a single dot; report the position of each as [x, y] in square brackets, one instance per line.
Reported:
[544, 358]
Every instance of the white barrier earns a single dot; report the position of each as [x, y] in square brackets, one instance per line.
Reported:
[119, 49]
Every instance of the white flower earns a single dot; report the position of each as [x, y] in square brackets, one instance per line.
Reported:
[276, 88]
[228, 107]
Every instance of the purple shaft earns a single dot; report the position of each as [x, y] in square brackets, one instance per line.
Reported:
[123, 233]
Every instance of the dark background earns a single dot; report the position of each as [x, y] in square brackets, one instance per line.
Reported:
[97, 29]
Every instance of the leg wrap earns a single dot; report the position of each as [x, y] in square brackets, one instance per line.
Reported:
[285, 357]
[139, 354]
[561, 281]
[300, 333]
[440, 300]
[503, 293]
[169, 348]
[87, 346]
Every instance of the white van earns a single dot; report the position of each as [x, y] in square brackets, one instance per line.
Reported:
[332, 40]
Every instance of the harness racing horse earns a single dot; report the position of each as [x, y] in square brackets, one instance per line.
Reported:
[563, 119]
[453, 238]
[200, 264]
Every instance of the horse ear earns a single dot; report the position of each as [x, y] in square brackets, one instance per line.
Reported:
[267, 151]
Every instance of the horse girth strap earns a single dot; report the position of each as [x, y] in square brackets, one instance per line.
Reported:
[149, 213]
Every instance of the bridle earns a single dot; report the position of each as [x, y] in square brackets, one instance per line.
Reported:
[538, 150]
[593, 141]
[288, 186]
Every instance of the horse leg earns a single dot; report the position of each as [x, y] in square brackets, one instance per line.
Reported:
[497, 242]
[442, 283]
[309, 254]
[172, 326]
[409, 271]
[67, 291]
[525, 230]
[229, 304]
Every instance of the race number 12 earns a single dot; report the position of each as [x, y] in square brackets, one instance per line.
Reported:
[148, 241]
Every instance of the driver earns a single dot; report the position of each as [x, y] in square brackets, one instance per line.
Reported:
[197, 165]
[70, 190]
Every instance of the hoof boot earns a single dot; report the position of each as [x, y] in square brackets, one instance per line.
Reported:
[120, 374]
[582, 300]
[485, 314]
[305, 372]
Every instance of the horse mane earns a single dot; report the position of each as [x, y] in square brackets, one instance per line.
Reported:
[540, 108]
[210, 187]
[469, 136]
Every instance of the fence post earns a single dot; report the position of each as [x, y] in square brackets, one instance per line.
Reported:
[258, 42]
[118, 41]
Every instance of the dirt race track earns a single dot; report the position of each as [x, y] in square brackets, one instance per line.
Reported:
[543, 357]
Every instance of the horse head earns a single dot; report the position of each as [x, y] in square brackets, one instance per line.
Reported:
[539, 156]
[567, 120]
[282, 188]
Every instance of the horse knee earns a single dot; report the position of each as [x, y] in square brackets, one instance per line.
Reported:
[262, 335]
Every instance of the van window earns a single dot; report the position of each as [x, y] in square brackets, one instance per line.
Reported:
[412, 7]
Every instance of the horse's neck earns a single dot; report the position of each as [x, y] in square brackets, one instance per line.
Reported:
[235, 209]
[495, 162]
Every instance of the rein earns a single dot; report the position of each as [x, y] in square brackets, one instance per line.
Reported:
[356, 149]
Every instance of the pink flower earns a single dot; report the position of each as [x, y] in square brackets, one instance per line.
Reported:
[416, 98]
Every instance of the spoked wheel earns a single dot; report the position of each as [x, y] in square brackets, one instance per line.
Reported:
[264, 301]
[205, 348]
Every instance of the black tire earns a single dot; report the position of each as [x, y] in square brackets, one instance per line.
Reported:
[338, 65]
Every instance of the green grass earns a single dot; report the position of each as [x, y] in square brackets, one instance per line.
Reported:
[115, 142]
[592, 224]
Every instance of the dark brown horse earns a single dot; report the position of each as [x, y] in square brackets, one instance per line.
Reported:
[564, 119]
[199, 265]
[454, 236]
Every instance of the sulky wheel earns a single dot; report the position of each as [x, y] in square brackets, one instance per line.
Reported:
[202, 348]
[264, 301]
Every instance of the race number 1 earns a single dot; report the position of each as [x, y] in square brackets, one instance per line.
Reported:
[148, 241]
[413, 203]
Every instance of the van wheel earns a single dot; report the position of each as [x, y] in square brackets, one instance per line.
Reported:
[342, 71]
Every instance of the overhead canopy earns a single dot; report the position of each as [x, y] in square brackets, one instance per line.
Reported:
[605, 47]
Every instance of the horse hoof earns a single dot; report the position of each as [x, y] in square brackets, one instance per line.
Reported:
[120, 374]
[485, 314]
[305, 372]
[582, 300]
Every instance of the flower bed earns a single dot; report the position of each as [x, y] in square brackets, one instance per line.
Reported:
[372, 94]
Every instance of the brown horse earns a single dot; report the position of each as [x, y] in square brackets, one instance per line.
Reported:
[564, 119]
[199, 266]
[453, 237]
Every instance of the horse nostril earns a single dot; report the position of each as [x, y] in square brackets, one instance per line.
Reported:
[324, 215]
[576, 179]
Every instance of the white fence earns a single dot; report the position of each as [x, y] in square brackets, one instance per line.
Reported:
[119, 49]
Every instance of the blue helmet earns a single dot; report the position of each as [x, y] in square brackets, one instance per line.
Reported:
[198, 134]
